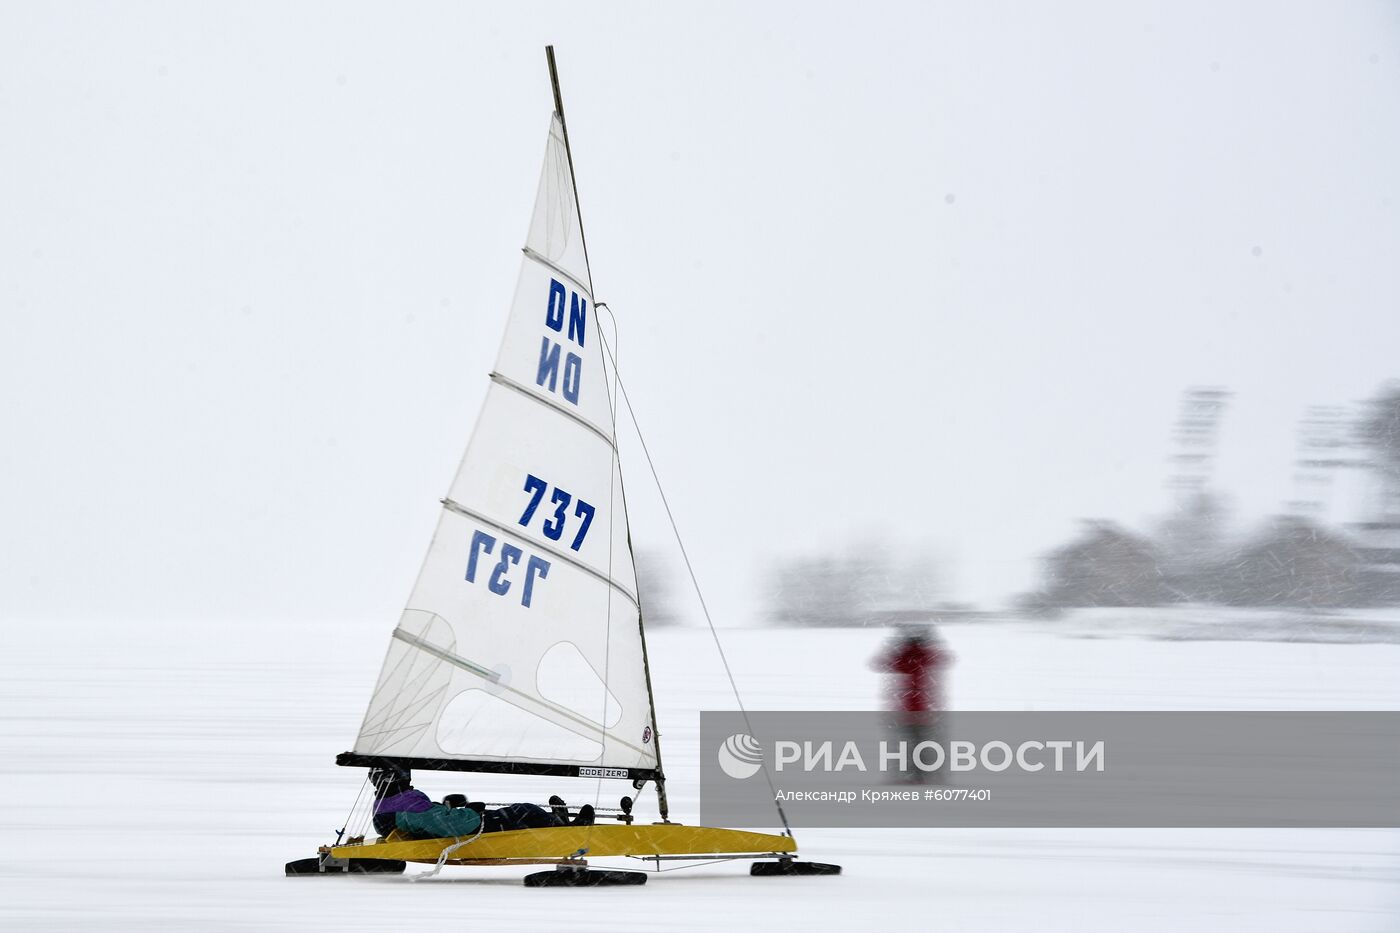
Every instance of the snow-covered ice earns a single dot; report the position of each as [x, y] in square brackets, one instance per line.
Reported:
[160, 775]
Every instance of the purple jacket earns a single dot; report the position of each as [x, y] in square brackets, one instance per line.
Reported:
[410, 801]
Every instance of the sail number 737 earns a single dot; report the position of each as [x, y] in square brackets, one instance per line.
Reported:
[510, 556]
[553, 528]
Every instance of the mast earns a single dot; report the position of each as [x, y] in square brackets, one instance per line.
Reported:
[662, 804]
[568, 154]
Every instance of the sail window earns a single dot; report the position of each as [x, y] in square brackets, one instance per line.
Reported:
[565, 677]
[475, 724]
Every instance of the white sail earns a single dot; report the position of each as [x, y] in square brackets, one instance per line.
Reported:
[520, 646]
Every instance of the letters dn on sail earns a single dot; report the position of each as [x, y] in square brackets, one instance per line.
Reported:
[548, 375]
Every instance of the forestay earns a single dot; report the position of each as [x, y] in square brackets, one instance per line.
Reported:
[526, 604]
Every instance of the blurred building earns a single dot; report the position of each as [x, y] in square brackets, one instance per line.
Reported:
[1192, 537]
[1324, 449]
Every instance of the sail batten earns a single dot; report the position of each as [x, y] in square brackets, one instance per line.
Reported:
[510, 383]
[520, 648]
[547, 548]
[550, 265]
[447, 656]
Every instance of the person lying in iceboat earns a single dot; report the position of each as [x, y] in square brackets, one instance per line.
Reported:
[398, 805]
[524, 815]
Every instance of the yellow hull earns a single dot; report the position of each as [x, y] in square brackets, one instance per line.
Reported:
[561, 842]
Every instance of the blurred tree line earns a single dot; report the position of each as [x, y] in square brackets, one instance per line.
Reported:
[1294, 560]
[863, 585]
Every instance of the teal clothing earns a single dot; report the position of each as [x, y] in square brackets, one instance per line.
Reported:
[438, 822]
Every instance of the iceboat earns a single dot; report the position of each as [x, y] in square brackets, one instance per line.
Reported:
[522, 649]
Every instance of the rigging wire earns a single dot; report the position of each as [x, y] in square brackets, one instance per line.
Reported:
[694, 581]
[653, 727]
[612, 536]
[340, 833]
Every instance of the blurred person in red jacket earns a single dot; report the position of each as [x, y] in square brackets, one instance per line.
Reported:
[917, 659]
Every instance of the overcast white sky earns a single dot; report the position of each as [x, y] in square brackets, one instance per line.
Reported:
[934, 274]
